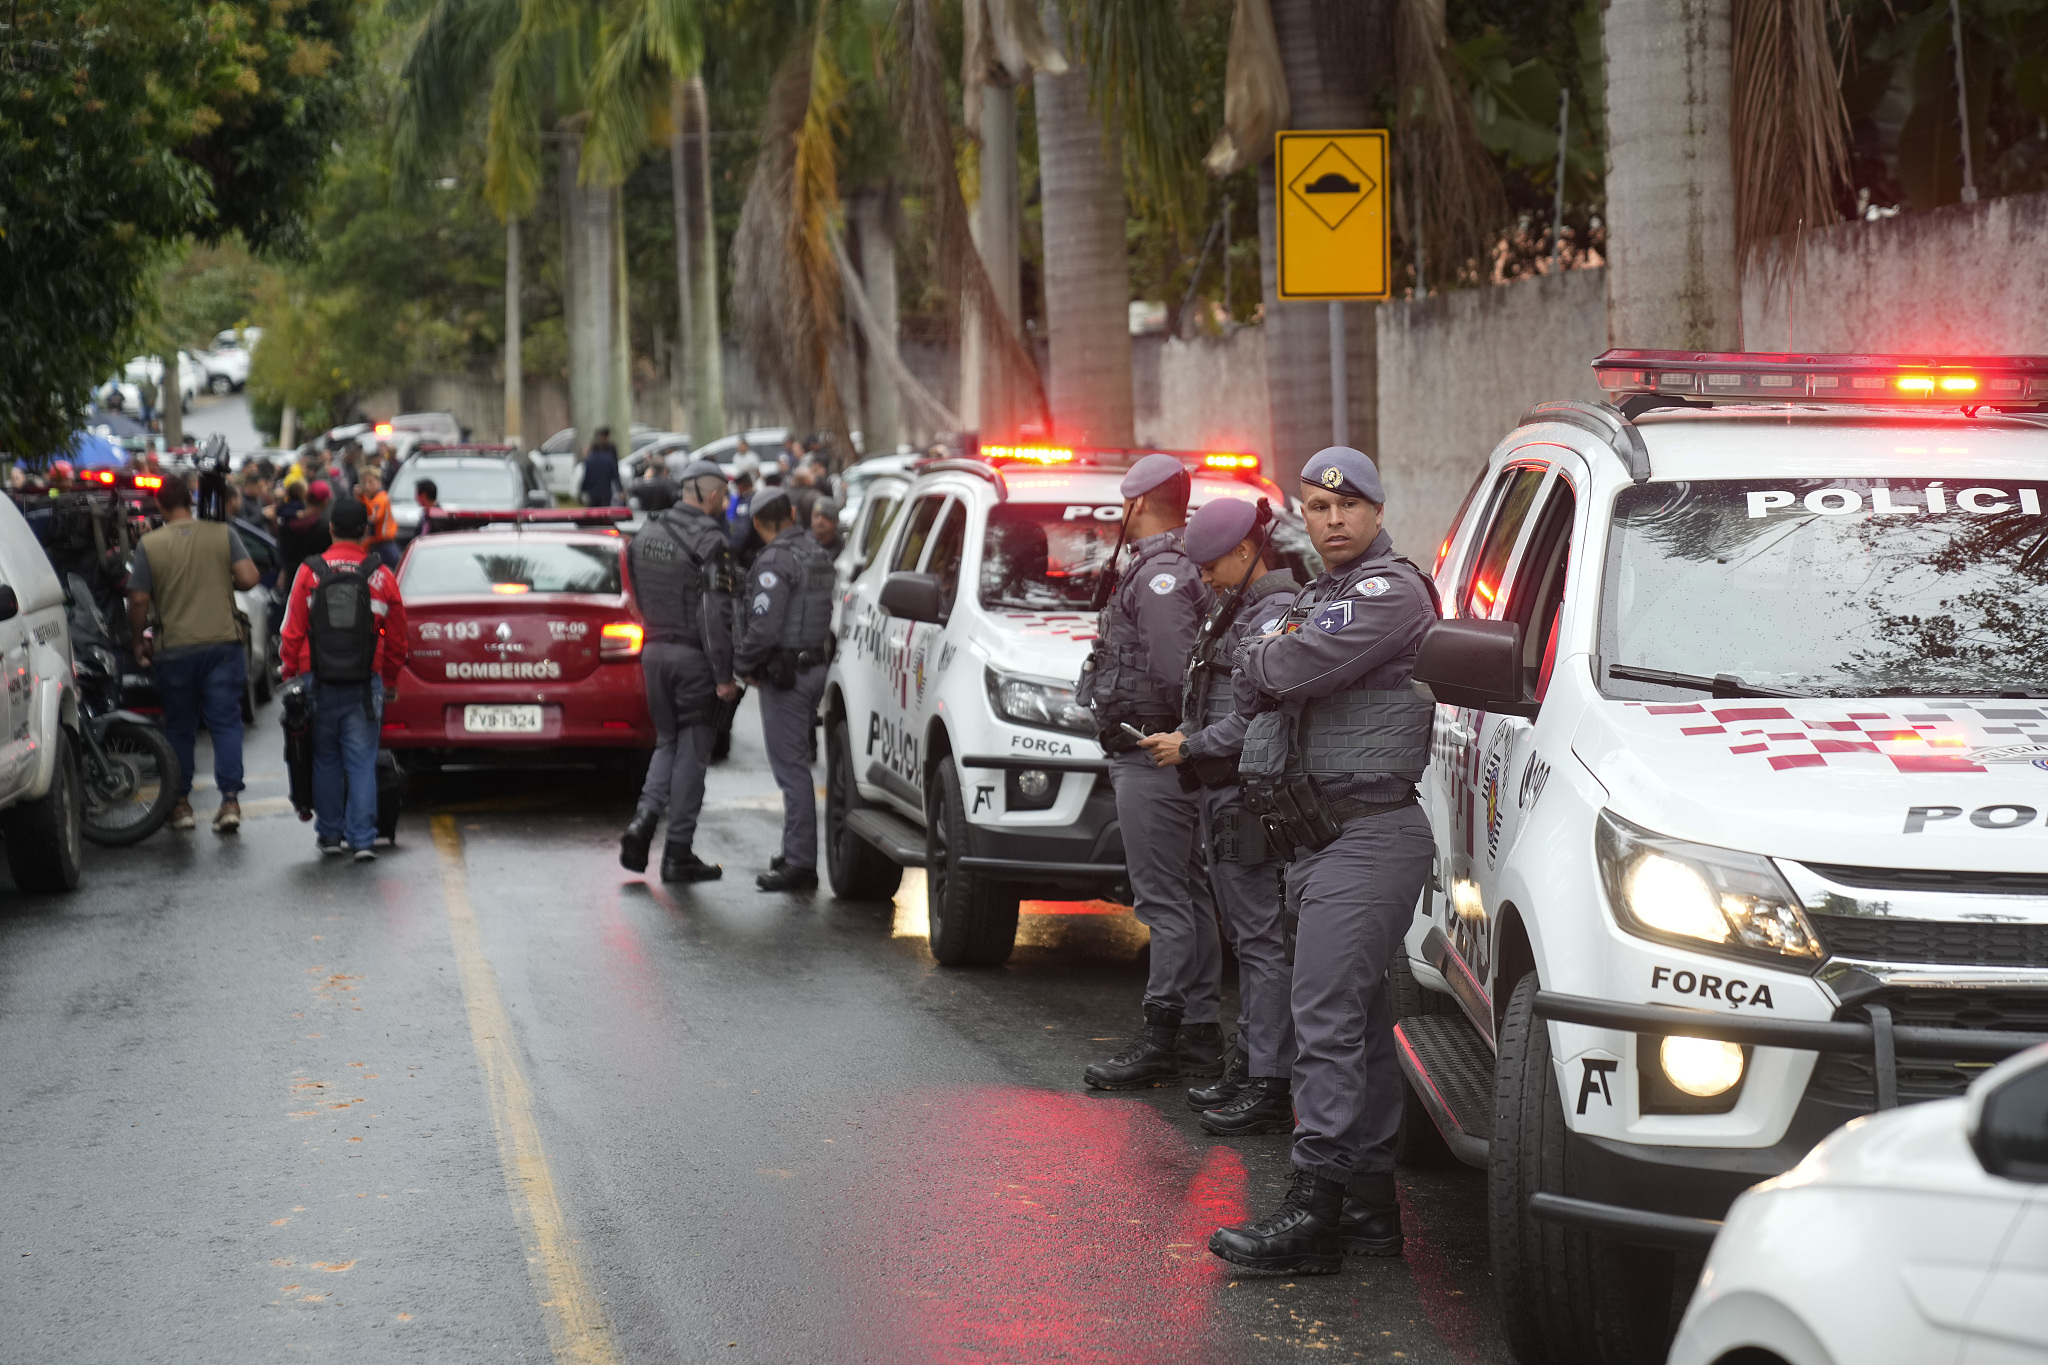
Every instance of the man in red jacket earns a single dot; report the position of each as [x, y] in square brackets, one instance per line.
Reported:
[345, 624]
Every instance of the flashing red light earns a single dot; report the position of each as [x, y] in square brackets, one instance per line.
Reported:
[510, 589]
[1227, 460]
[1483, 590]
[620, 639]
[1030, 454]
[1752, 375]
[98, 475]
[150, 481]
[383, 428]
[1443, 552]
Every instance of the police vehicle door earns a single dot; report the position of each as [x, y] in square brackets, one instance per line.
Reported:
[1472, 772]
[891, 755]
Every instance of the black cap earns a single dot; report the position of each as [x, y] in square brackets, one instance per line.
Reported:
[349, 519]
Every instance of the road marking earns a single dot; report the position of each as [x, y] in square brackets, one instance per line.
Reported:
[577, 1329]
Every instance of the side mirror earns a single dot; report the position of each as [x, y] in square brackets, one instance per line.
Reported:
[2008, 1117]
[1476, 664]
[10, 605]
[914, 597]
[538, 498]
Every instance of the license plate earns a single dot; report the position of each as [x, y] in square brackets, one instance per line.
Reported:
[501, 720]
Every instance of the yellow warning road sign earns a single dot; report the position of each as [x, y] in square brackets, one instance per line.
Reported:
[1332, 192]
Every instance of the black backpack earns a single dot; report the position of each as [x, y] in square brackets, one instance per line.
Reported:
[342, 625]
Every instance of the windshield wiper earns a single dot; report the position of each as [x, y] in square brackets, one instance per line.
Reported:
[1723, 686]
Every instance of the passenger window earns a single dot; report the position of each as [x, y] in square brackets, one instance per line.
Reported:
[1513, 496]
[914, 535]
[947, 546]
[1536, 597]
[878, 518]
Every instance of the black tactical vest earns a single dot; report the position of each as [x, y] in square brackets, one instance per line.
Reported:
[1207, 698]
[673, 558]
[807, 620]
[1116, 680]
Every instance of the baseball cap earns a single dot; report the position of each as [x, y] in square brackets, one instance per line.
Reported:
[1344, 470]
[349, 519]
[1148, 473]
[1219, 527]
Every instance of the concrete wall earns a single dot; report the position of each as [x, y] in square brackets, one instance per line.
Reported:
[1971, 279]
[1205, 394]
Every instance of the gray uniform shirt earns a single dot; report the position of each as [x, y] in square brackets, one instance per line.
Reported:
[1225, 739]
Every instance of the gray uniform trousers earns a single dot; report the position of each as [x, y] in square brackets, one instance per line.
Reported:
[786, 729]
[1249, 894]
[1355, 899]
[1165, 855]
[678, 679]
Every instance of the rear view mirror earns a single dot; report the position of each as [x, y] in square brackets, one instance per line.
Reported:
[914, 597]
[1476, 664]
[10, 605]
[2008, 1117]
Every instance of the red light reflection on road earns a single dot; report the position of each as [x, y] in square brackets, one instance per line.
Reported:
[1023, 1225]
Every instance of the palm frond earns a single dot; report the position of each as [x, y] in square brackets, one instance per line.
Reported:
[1790, 125]
[1142, 80]
[1458, 186]
[512, 131]
[1255, 98]
[645, 45]
[447, 65]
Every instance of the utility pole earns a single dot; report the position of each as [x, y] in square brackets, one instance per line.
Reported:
[1564, 123]
[515, 370]
[1955, 28]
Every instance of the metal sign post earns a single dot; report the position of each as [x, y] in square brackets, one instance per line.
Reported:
[1331, 190]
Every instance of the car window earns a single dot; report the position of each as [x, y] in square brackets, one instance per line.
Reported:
[948, 544]
[1535, 595]
[481, 485]
[450, 565]
[1514, 495]
[911, 550]
[259, 550]
[876, 519]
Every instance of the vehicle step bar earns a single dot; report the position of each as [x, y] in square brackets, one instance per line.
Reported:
[898, 839]
[1451, 1069]
[1639, 1227]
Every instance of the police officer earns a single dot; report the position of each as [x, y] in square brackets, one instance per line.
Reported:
[783, 654]
[1331, 761]
[1232, 542]
[683, 578]
[1133, 681]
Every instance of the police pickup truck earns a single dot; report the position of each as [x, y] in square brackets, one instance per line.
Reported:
[1739, 772]
[953, 741]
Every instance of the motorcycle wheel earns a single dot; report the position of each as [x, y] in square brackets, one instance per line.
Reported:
[131, 782]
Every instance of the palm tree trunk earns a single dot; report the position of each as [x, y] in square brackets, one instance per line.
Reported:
[515, 369]
[706, 355]
[587, 243]
[996, 223]
[679, 360]
[622, 335]
[1672, 280]
[1087, 263]
[1321, 95]
[170, 400]
[881, 404]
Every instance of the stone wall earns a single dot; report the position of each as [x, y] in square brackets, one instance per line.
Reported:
[1205, 394]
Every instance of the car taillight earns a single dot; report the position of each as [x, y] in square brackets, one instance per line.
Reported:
[620, 640]
[150, 481]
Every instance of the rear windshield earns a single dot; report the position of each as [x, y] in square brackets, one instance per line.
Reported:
[1833, 587]
[465, 485]
[452, 565]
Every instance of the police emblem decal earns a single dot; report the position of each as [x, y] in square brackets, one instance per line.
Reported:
[1332, 477]
[1162, 583]
[1372, 587]
[767, 578]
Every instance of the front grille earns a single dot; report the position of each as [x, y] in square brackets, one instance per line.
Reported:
[1956, 942]
[1927, 879]
[1845, 1079]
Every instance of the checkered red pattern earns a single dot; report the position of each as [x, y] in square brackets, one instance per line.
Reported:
[1061, 626]
[1915, 742]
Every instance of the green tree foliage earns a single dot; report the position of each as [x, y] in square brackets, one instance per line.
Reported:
[126, 125]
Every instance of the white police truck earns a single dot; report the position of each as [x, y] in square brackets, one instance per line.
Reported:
[953, 741]
[1739, 772]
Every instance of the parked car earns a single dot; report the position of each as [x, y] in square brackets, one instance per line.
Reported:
[41, 795]
[191, 377]
[557, 456]
[243, 339]
[226, 371]
[475, 478]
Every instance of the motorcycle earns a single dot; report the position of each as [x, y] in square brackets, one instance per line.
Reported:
[129, 768]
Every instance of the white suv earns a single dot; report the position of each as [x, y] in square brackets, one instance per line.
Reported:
[953, 741]
[41, 810]
[1740, 757]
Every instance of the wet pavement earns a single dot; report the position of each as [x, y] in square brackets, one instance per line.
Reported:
[493, 1098]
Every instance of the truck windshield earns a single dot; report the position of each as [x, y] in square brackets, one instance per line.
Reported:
[1046, 556]
[1841, 587]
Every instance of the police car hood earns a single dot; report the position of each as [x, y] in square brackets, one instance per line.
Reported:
[1945, 783]
[1045, 644]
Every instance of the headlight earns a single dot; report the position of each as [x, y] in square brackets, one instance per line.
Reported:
[1698, 896]
[1033, 701]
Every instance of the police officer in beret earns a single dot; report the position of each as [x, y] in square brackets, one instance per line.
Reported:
[1331, 762]
[1232, 542]
[683, 579]
[1133, 681]
[783, 655]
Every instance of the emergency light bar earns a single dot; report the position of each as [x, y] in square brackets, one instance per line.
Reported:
[441, 518]
[1965, 381]
[1108, 457]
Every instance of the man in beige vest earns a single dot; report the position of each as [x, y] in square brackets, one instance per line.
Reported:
[188, 571]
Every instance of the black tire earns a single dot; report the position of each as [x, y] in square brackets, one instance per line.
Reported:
[129, 800]
[858, 870]
[973, 920]
[46, 837]
[219, 385]
[1417, 1142]
[1565, 1297]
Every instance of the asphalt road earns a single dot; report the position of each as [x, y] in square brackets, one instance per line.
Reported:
[492, 1098]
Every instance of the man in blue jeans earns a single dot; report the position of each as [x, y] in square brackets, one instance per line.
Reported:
[354, 655]
[186, 572]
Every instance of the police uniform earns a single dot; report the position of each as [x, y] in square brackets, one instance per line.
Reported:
[683, 580]
[1133, 676]
[1243, 869]
[1331, 761]
[788, 624]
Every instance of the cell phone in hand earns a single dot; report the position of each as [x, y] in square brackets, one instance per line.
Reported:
[1133, 731]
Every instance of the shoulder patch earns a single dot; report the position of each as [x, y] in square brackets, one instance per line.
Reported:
[1332, 617]
[760, 604]
[1162, 583]
[1372, 587]
[767, 578]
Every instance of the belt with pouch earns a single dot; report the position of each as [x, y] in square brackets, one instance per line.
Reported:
[1114, 741]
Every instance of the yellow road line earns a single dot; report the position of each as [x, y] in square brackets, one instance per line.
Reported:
[577, 1329]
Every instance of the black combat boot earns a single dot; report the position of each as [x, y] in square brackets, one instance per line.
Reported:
[1371, 1225]
[1264, 1105]
[1152, 1059]
[1224, 1091]
[1201, 1049]
[637, 839]
[787, 878]
[679, 863]
[1298, 1238]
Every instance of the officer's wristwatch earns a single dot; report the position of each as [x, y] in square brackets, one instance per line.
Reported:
[1183, 750]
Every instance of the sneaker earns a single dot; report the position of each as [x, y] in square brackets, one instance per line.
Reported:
[228, 818]
[331, 848]
[181, 815]
[366, 855]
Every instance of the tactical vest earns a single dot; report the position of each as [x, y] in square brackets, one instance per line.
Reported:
[191, 585]
[1117, 681]
[1207, 699]
[669, 581]
[807, 619]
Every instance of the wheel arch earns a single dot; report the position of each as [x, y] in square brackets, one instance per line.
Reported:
[1514, 957]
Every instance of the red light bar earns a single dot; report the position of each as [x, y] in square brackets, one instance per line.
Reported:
[1029, 454]
[383, 428]
[440, 517]
[1226, 460]
[150, 481]
[1751, 375]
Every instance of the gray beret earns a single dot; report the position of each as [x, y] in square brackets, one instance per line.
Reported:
[1148, 473]
[701, 469]
[1219, 527]
[1344, 470]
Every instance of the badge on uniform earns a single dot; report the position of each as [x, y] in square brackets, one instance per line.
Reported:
[767, 578]
[1372, 587]
[1333, 617]
[760, 604]
[1162, 584]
